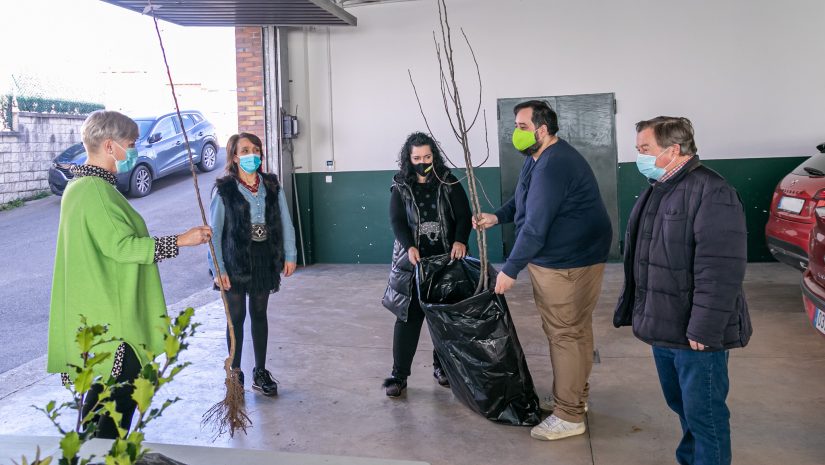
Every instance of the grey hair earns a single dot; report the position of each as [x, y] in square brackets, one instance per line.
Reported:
[670, 130]
[106, 124]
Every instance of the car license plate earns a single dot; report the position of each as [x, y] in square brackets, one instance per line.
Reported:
[819, 321]
[791, 204]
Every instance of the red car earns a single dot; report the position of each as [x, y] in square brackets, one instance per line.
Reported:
[796, 202]
[813, 280]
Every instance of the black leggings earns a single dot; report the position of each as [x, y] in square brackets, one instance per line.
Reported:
[122, 396]
[405, 340]
[258, 301]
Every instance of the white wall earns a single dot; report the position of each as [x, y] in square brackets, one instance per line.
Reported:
[748, 73]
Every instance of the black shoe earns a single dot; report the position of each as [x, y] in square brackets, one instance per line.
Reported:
[395, 386]
[262, 381]
[441, 377]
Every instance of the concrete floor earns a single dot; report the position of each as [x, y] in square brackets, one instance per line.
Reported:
[330, 347]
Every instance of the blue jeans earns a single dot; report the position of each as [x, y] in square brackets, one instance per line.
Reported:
[695, 385]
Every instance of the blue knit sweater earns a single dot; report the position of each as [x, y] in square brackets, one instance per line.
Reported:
[561, 221]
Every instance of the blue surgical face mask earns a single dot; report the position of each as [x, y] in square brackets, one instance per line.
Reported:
[647, 165]
[124, 166]
[249, 163]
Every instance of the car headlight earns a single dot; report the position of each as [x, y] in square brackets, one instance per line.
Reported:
[64, 168]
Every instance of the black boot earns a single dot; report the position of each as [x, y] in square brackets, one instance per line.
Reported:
[441, 377]
[262, 381]
[395, 386]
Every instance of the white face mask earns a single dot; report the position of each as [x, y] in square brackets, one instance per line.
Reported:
[646, 164]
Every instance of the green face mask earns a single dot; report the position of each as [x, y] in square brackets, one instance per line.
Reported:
[523, 140]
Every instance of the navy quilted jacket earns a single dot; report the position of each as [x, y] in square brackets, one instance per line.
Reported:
[684, 261]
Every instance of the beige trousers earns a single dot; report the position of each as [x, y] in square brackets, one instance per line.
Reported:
[565, 300]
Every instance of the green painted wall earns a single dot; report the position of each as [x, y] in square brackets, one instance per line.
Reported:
[754, 178]
[347, 220]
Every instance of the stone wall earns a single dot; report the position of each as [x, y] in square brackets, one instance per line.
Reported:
[27, 152]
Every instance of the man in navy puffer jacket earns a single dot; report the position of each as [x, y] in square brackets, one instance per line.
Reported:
[684, 261]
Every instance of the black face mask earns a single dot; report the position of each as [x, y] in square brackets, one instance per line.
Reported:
[423, 169]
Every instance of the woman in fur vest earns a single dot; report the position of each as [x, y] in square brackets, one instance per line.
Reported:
[430, 215]
[254, 243]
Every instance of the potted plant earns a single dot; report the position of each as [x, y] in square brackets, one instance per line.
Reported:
[127, 448]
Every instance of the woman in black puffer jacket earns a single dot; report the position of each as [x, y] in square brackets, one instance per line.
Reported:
[430, 215]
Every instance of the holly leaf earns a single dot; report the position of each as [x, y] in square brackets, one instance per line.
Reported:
[110, 408]
[97, 359]
[83, 381]
[136, 438]
[85, 338]
[70, 445]
[185, 317]
[171, 347]
[144, 391]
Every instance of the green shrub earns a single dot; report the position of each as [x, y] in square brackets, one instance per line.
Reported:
[42, 105]
[50, 105]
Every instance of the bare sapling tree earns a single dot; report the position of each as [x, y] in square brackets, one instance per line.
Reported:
[229, 414]
[454, 108]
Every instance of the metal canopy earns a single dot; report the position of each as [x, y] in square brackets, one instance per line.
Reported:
[245, 12]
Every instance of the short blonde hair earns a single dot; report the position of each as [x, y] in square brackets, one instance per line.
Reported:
[106, 124]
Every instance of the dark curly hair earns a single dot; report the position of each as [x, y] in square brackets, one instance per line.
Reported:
[418, 139]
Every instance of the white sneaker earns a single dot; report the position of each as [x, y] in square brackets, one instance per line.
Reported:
[553, 428]
[548, 404]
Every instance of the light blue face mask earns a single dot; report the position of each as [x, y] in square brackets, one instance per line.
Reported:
[249, 163]
[124, 166]
[647, 166]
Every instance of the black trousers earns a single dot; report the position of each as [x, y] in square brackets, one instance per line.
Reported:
[106, 428]
[405, 340]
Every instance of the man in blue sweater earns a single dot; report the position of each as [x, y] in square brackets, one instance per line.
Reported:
[563, 237]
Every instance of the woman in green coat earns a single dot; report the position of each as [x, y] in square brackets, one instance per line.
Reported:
[106, 266]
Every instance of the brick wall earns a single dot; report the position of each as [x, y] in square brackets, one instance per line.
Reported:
[27, 152]
[250, 76]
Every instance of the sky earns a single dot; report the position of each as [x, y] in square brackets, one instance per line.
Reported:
[93, 51]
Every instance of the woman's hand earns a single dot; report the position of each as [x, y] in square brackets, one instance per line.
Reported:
[459, 251]
[289, 268]
[413, 255]
[195, 236]
[223, 282]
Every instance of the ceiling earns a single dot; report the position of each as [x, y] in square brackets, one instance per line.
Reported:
[246, 12]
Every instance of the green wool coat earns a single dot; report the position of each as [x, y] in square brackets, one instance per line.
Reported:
[104, 269]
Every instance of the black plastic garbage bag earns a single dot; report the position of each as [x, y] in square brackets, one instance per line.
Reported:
[476, 341]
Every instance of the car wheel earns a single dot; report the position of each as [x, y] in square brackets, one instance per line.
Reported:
[141, 183]
[209, 158]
